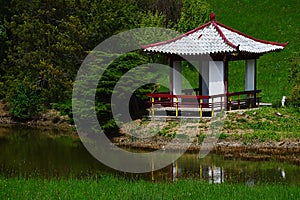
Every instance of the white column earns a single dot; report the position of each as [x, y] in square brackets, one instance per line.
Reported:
[216, 77]
[204, 71]
[250, 73]
[177, 79]
[216, 81]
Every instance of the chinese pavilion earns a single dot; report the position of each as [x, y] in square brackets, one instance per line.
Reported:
[211, 46]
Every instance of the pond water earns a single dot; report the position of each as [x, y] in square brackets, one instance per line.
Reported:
[51, 154]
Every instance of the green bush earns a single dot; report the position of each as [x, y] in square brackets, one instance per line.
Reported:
[25, 103]
[64, 109]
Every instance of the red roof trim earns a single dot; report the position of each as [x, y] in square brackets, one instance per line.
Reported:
[223, 36]
[250, 37]
[176, 38]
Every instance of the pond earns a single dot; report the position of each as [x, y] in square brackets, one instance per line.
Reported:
[32, 152]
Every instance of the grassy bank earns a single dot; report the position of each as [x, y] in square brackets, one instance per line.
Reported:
[262, 125]
[109, 187]
[265, 124]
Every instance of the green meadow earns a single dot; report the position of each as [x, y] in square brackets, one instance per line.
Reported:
[272, 20]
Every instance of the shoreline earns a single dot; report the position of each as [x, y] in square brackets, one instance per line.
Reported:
[282, 151]
[51, 119]
[286, 149]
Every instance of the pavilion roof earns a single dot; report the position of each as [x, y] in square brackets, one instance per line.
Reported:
[213, 37]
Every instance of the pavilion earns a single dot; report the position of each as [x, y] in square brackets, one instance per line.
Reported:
[211, 46]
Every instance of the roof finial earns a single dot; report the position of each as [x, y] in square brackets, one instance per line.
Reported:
[212, 17]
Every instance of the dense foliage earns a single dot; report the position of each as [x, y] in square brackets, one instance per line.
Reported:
[25, 103]
[43, 44]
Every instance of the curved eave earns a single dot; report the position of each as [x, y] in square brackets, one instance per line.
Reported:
[214, 52]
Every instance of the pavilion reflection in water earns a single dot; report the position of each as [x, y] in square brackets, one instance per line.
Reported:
[218, 172]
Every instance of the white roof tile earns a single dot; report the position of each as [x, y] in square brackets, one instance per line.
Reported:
[213, 37]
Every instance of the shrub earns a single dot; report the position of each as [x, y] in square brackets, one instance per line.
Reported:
[25, 103]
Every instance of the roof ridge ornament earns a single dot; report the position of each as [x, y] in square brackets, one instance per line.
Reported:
[212, 17]
[216, 25]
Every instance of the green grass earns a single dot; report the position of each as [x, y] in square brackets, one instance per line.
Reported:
[264, 124]
[273, 20]
[109, 187]
[168, 130]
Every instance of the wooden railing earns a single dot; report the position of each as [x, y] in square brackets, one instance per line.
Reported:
[236, 100]
[245, 99]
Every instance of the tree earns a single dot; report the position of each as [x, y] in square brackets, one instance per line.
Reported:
[193, 14]
[4, 14]
[45, 48]
[169, 8]
[3, 37]
[106, 18]
[106, 88]
[46, 41]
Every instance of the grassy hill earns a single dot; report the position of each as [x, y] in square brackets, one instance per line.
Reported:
[273, 20]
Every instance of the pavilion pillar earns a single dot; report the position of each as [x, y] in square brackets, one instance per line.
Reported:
[203, 78]
[250, 76]
[216, 81]
[177, 79]
[226, 90]
[216, 77]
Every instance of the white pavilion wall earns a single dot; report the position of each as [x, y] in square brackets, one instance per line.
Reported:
[204, 71]
[216, 77]
[216, 81]
[177, 79]
[250, 75]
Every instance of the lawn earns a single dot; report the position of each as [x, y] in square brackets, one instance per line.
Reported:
[109, 187]
[272, 20]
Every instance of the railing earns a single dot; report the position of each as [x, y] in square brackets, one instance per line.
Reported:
[245, 99]
[236, 100]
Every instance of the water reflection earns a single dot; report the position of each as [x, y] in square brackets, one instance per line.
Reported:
[33, 152]
[216, 169]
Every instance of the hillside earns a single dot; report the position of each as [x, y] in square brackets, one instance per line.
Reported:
[272, 20]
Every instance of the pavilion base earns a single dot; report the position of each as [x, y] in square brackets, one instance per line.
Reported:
[194, 113]
[182, 112]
